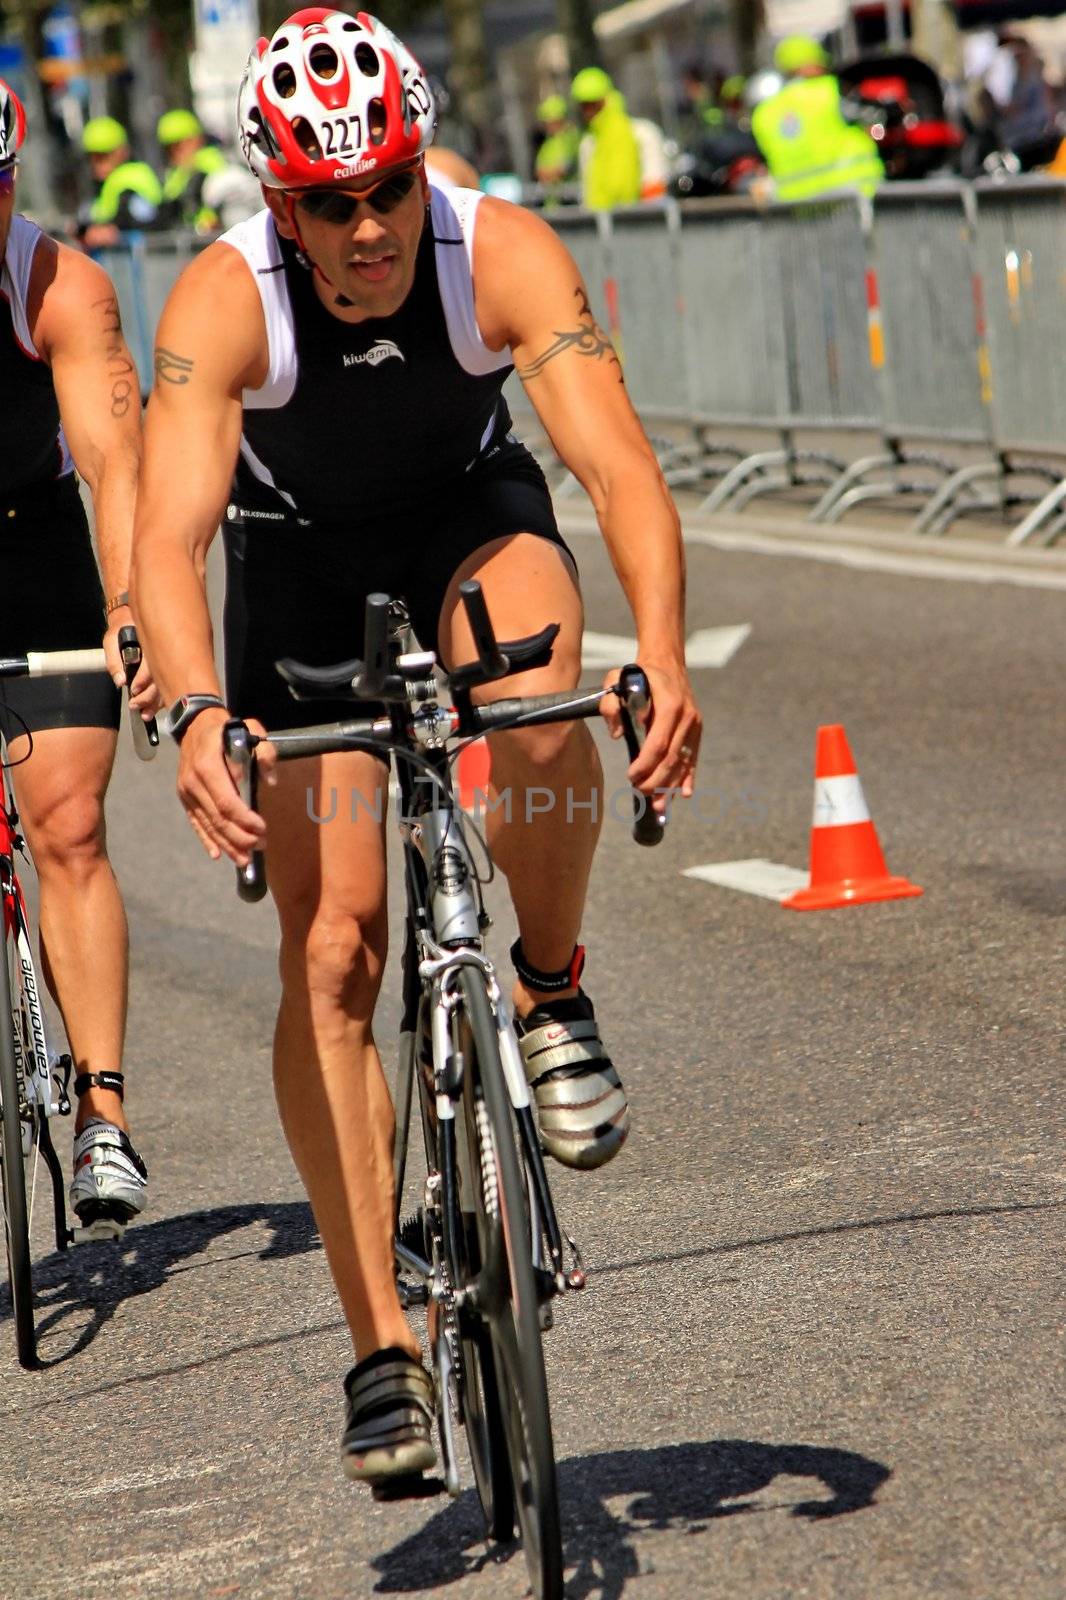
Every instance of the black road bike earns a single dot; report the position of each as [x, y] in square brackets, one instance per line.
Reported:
[485, 1252]
[34, 1077]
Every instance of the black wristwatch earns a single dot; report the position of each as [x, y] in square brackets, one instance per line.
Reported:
[185, 711]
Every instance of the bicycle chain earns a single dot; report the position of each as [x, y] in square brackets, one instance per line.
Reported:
[490, 1182]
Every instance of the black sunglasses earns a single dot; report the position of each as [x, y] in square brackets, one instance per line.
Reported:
[340, 205]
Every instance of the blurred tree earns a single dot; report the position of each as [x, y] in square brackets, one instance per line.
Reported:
[748, 22]
[468, 76]
[575, 22]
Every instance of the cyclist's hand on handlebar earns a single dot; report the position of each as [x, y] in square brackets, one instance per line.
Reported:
[144, 696]
[673, 729]
[207, 789]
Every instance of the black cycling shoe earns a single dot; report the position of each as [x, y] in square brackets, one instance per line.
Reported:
[391, 1407]
[582, 1111]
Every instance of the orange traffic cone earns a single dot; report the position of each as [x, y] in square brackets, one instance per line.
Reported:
[474, 769]
[847, 866]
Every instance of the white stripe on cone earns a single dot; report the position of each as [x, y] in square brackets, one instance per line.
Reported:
[839, 801]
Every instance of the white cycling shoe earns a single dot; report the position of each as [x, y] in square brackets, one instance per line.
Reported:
[110, 1179]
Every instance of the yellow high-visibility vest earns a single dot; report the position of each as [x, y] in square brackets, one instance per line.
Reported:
[809, 147]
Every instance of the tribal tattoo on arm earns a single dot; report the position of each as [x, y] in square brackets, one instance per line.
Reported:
[587, 340]
[172, 368]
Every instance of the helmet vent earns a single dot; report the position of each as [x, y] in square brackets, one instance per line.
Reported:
[281, 42]
[377, 121]
[366, 59]
[306, 138]
[284, 80]
[323, 61]
[351, 27]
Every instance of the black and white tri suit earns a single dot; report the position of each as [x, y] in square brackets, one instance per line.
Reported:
[50, 595]
[376, 456]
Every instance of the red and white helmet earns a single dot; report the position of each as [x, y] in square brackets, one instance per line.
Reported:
[331, 97]
[12, 123]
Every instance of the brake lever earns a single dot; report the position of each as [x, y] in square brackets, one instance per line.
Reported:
[238, 746]
[634, 696]
[145, 734]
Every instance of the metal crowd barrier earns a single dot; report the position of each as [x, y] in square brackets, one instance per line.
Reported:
[927, 344]
[933, 319]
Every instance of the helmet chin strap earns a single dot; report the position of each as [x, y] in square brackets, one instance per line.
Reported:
[339, 299]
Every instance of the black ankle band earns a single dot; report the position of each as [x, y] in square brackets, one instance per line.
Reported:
[567, 977]
[99, 1080]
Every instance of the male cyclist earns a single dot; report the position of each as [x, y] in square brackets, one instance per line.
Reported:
[71, 401]
[345, 350]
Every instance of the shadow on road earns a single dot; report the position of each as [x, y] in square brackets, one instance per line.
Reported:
[82, 1287]
[680, 1487]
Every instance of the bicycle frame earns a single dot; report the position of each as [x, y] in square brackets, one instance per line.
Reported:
[441, 886]
[43, 1082]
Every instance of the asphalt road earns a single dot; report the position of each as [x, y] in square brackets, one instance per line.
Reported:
[821, 1350]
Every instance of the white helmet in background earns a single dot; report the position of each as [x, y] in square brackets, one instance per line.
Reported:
[762, 85]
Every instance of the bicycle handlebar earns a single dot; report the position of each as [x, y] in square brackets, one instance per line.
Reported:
[64, 663]
[52, 663]
[239, 749]
[145, 733]
[372, 679]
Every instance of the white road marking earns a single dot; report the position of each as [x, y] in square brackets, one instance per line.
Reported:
[765, 878]
[707, 647]
[864, 558]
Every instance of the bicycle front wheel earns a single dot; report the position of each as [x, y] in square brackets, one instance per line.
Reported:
[12, 1167]
[509, 1303]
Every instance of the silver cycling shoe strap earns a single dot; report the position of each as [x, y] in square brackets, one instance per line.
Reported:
[561, 1044]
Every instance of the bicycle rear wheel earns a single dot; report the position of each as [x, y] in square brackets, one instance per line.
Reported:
[12, 1167]
[509, 1304]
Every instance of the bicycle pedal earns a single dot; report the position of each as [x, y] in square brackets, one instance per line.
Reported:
[411, 1486]
[97, 1231]
[412, 1294]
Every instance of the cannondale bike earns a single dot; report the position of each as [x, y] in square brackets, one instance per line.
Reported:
[485, 1252]
[34, 1076]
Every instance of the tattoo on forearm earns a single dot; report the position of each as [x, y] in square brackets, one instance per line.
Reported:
[587, 340]
[172, 368]
[120, 369]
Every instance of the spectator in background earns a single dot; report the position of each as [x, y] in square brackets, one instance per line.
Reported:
[731, 97]
[556, 159]
[128, 193]
[1029, 117]
[190, 162]
[609, 153]
[803, 132]
[698, 109]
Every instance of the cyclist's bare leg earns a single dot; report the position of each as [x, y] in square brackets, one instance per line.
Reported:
[328, 881]
[546, 854]
[84, 942]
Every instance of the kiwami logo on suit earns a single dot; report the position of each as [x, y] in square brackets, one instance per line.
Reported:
[376, 354]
